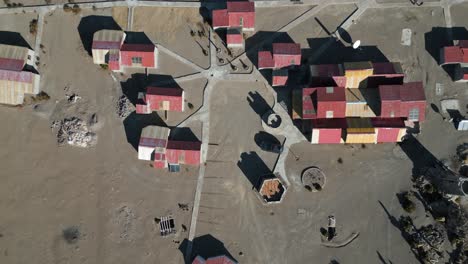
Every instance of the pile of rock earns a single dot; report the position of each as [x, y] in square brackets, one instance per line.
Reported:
[75, 132]
[124, 107]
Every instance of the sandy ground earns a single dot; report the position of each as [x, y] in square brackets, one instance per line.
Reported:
[171, 28]
[18, 23]
[282, 15]
[459, 15]
[43, 2]
[331, 17]
[46, 188]
[168, 65]
[120, 15]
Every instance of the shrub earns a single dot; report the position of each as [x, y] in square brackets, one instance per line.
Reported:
[317, 186]
[42, 96]
[104, 66]
[340, 160]
[71, 234]
[76, 9]
[33, 26]
[190, 105]
[308, 188]
[407, 204]
[428, 188]
[67, 8]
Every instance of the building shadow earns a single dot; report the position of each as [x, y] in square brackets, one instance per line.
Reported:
[137, 38]
[205, 246]
[183, 134]
[207, 7]
[253, 167]
[139, 81]
[418, 154]
[14, 39]
[263, 136]
[90, 25]
[263, 41]
[456, 116]
[258, 103]
[134, 124]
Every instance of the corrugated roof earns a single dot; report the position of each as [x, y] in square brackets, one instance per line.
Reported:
[240, 6]
[138, 47]
[265, 60]
[453, 54]
[156, 132]
[13, 57]
[17, 76]
[107, 39]
[184, 145]
[326, 70]
[152, 142]
[412, 91]
[390, 92]
[220, 18]
[151, 90]
[286, 48]
[336, 94]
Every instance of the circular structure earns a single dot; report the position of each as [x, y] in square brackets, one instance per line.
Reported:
[313, 179]
[272, 122]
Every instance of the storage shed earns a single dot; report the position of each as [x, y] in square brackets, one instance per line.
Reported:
[286, 54]
[103, 42]
[234, 38]
[153, 140]
[331, 102]
[161, 98]
[138, 55]
[183, 152]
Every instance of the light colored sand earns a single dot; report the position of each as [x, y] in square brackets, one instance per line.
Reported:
[120, 15]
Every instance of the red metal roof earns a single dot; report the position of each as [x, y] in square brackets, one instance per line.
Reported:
[183, 152]
[11, 64]
[329, 135]
[152, 90]
[279, 80]
[265, 60]
[453, 54]
[240, 6]
[234, 39]
[106, 45]
[287, 48]
[387, 135]
[220, 18]
[331, 94]
[214, 260]
[412, 91]
[16, 76]
[389, 92]
[308, 107]
[463, 43]
[138, 47]
[184, 145]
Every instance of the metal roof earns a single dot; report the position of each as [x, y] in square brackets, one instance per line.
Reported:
[265, 60]
[184, 145]
[137, 47]
[107, 39]
[240, 6]
[13, 57]
[286, 48]
[151, 90]
[412, 91]
[387, 68]
[220, 18]
[331, 94]
[389, 92]
[156, 132]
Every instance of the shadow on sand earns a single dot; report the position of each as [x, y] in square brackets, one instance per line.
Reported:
[90, 25]
[14, 39]
[253, 167]
[134, 124]
[205, 246]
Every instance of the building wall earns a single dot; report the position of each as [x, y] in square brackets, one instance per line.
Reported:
[361, 138]
[338, 108]
[145, 153]
[12, 92]
[147, 61]
[407, 106]
[191, 157]
[248, 19]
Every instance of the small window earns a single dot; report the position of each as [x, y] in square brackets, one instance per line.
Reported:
[329, 114]
[413, 114]
[392, 114]
[330, 90]
[136, 60]
[174, 168]
[241, 21]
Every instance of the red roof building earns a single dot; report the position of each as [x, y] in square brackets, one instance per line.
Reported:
[331, 102]
[406, 100]
[325, 74]
[328, 131]
[234, 38]
[454, 54]
[223, 259]
[183, 152]
[238, 14]
[109, 48]
[389, 129]
[160, 98]
[286, 54]
[265, 60]
[138, 55]
[309, 100]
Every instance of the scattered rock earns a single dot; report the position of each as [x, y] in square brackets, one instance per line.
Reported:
[72, 98]
[183, 207]
[124, 107]
[124, 220]
[75, 132]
